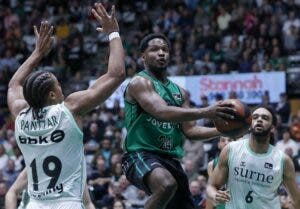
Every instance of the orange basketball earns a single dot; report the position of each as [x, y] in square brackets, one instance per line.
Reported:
[240, 125]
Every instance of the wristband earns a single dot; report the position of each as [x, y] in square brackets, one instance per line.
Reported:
[113, 35]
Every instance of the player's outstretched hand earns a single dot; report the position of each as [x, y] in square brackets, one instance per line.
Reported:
[44, 38]
[222, 109]
[108, 22]
[222, 197]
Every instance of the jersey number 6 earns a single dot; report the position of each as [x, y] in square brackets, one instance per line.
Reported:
[248, 197]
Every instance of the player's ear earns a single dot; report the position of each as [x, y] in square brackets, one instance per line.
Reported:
[52, 95]
[143, 56]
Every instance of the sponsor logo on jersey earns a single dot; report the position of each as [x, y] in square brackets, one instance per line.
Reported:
[268, 165]
[253, 175]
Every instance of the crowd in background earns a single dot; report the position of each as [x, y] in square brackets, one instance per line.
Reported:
[207, 36]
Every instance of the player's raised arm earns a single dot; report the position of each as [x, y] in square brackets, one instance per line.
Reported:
[15, 97]
[84, 101]
[289, 181]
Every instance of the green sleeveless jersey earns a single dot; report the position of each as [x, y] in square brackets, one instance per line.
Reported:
[145, 132]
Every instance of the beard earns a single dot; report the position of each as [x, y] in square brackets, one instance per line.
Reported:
[158, 69]
[260, 134]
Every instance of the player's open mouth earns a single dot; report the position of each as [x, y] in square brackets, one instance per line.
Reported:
[162, 61]
[258, 126]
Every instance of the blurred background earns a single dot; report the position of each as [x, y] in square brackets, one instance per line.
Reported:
[246, 49]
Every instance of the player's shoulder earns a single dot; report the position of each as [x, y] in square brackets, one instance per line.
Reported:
[288, 166]
[285, 158]
[277, 150]
[139, 81]
[239, 142]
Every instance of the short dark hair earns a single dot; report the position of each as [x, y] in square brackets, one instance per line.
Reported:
[35, 90]
[151, 36]
[271, 110]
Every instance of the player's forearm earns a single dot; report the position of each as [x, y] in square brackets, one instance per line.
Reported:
[25, 69]
[178, 114]
[87, 199]
[116, 62]
[211, 192]
[10, 200]
[202, 133]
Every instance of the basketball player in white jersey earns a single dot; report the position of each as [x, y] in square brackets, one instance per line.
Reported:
[48, 127]
[20, 185]
[253, 169]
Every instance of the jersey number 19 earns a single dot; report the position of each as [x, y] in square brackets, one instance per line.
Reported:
[51, 167]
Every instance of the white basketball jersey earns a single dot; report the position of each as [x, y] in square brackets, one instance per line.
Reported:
[254, 179]
[53, 152]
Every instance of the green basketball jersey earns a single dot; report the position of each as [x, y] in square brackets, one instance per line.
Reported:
[145, 132]
[254, 179]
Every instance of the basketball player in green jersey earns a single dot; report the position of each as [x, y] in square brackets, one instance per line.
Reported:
[157, 117]
[253, 169]
[48, 127]
[20, 185]
[223, 141]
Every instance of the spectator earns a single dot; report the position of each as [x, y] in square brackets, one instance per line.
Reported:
[283, 108]
[190, 169]
[233, 53]
[288, 143]
[202, 182]
[138, 202]
[119, 204]
[3, 157]
[99, 179]
[245, 65]
[10, 173]
[9, 61]
[116, 171]
[91, 143]
[295, 128]
[194, 152]
[3, 190]
[114, 194]
[128, 191]
[291, 40]
[223, 19]
[197, 195]
[106, 151]
[291, 21]
[18, 158]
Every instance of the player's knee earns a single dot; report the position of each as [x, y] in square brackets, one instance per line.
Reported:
[161, 181]
[169, 186]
